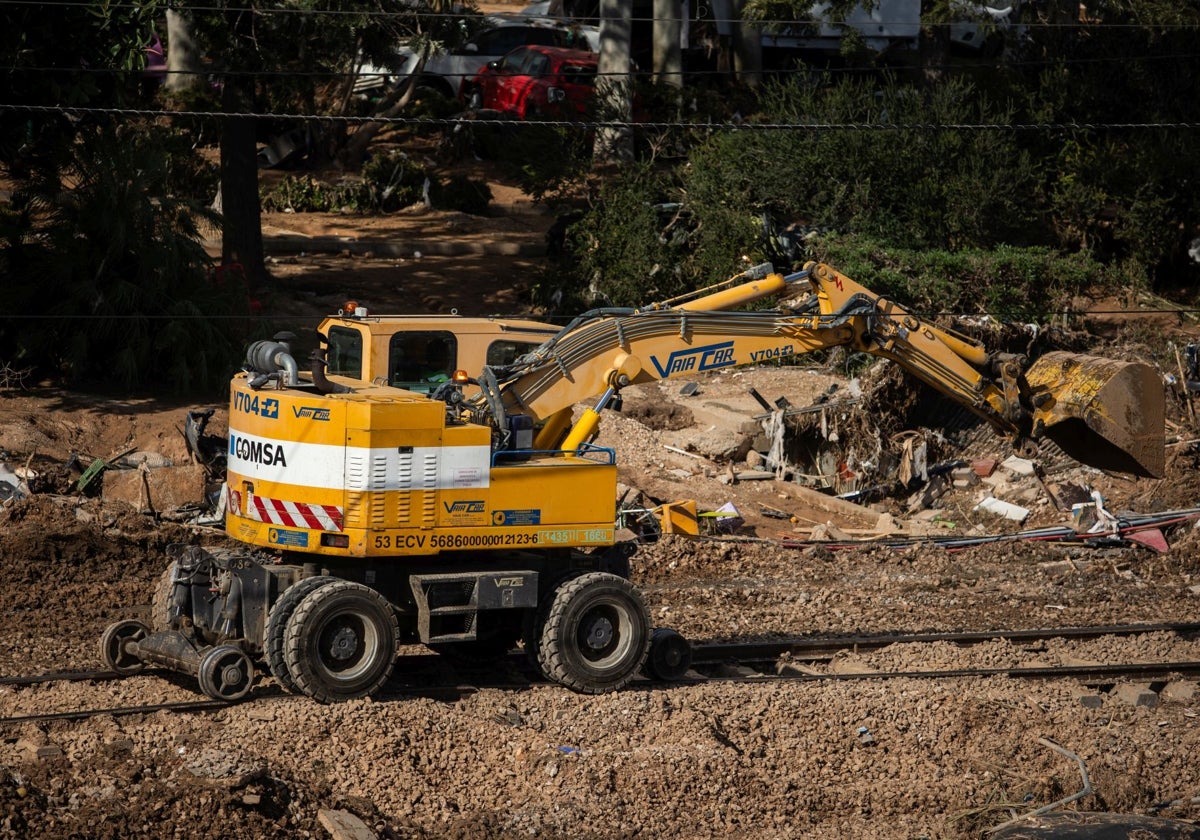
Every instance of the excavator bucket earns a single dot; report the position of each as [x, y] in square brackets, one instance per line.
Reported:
[1102, 412]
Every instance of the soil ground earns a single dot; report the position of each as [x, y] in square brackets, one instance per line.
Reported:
[946, 758]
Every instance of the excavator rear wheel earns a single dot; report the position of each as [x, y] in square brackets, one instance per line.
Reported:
[277, 620]
[595, 635]
[341, 642]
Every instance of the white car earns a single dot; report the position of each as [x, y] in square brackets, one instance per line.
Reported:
[446, 69]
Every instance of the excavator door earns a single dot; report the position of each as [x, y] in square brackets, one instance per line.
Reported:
[1102, 412]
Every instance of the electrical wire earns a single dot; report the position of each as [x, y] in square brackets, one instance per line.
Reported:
[983, 21]
[800, 70]
[624, 125]
[264, 316]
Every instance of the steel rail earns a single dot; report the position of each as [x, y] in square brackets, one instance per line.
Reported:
[764, 650]
[455, 691]
[709, 655]
[63, 676]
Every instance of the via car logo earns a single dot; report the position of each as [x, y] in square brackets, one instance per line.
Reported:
[708, 357]
[311, 412]
[463, 507]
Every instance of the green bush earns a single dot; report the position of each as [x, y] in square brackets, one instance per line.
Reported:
[305, 194]
[1006, 283]
[389, 182]
[940, 217]
[916, 187]
[392, 181]
[629, 250]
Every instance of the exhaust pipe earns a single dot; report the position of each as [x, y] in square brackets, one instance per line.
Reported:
[272, 358]
[320, 381]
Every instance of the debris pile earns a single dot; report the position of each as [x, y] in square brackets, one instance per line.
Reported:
[805, 459]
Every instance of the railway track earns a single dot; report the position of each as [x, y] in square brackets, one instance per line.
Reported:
[758, 661]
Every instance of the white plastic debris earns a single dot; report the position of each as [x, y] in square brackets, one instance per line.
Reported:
[1018, 466]
[12, 486]
[1002, 508]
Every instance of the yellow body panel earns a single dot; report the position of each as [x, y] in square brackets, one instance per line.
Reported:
[379, 473]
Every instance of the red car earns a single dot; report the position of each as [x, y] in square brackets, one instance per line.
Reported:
[534, 81]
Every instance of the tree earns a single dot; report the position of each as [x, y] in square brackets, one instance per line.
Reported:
[183, 59]
[299, 57]
[102, 254]
[82, 55]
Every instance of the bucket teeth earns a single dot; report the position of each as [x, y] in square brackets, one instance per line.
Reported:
[1105, 413]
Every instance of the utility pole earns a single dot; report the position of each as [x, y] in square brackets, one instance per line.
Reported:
[614, 87]
[668, 42]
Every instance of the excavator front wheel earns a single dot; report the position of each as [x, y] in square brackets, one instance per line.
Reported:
[595, 635]
[277, 621]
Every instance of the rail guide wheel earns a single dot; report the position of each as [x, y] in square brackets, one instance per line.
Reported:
[595, 633]
[118, 646]
[670, 655]
[226, 673]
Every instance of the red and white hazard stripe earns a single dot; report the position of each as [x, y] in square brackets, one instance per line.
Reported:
[291, 514]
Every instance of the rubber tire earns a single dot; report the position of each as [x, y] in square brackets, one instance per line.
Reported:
[215, 669]
[277, 620]
[347, 606]
[564, 655]
[160, 602]
[112, 646]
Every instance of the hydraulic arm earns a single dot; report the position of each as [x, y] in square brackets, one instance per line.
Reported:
[1103, 412]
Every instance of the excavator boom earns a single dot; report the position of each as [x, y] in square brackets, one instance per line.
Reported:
[1104, 412]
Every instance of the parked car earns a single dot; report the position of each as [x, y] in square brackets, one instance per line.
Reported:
[534, 81]
[445, 70]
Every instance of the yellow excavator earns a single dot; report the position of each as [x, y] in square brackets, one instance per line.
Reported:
[482, 515]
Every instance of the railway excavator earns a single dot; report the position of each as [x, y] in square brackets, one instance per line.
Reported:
[481, 516]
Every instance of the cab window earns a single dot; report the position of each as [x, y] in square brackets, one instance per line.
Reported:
[421, 360]
[345, 352]
[506, 351]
